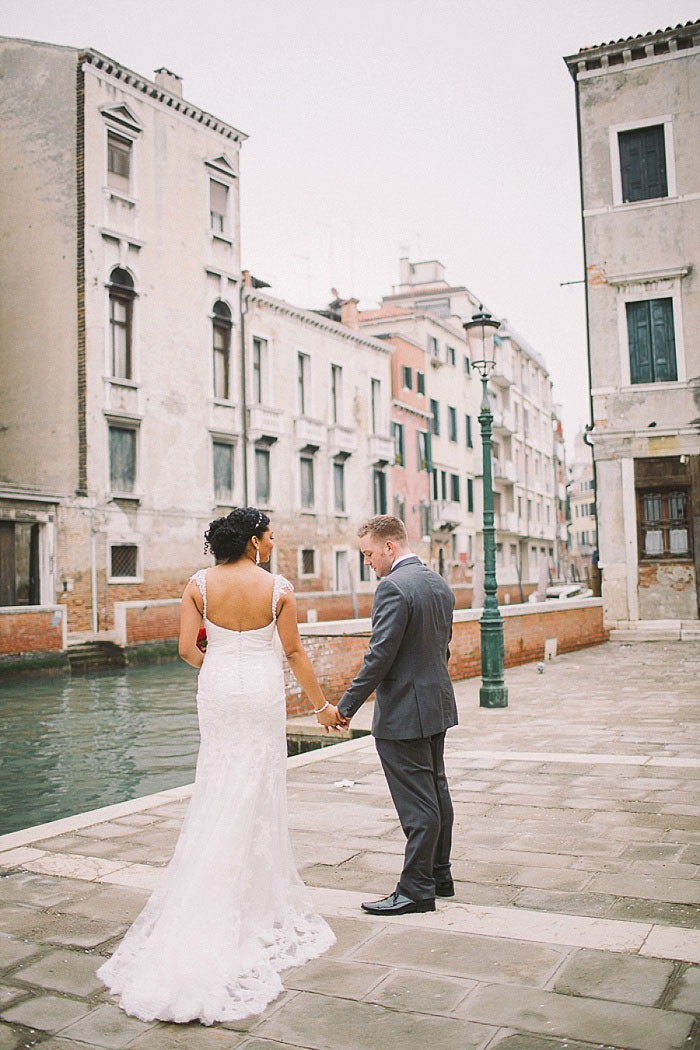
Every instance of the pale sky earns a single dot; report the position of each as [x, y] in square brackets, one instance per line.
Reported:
[441, 129]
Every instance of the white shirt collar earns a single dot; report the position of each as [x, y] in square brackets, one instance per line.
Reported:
[402, 558]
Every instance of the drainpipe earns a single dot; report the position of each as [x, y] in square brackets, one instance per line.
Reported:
[589, 426]
[244, 403]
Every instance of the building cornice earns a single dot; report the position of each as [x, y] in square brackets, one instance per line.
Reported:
[157, 93]
[314, 320]
[412, 315]
[657, 46]
[396, 403]
[669, 273]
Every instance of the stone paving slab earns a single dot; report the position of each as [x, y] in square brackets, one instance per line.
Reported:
[575, 924]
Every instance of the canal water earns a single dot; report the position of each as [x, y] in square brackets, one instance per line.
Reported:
[70, 744]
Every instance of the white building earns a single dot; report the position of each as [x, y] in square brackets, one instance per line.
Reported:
[582, 509]
[520, 391]
[637, 106]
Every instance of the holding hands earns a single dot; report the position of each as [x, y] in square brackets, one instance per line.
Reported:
[330, 717]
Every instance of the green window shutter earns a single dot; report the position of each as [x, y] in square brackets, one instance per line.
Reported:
[643, 163]
[639, 336]
[663, 340]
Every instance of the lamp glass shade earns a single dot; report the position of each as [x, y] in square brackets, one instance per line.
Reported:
[480, 336]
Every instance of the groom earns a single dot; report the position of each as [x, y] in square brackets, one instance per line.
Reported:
[415, 705]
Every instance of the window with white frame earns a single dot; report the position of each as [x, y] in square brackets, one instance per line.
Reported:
[258, 366]
[123, 562]
[262, 475]
[643, 165]
[379, 490]
[407, 377]
[651, 340]
[219, 208]
[376, 405]
[119, 158]
[342, 570]
[397, 432]
[339, 485]
[336, 393]
[303, 381]
[450, 355]
[121, 315]
[424, 450]
[222, 325]
[122, 458]
[306, 480]
[307, 561]
[420, 382]
[451, 423]
[222, 456]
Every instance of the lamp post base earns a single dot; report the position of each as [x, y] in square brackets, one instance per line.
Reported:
[493, 696]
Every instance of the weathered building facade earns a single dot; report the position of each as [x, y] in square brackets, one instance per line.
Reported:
[520, 391]
[638, 102]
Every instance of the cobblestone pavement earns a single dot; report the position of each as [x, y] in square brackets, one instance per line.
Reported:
[576, 923]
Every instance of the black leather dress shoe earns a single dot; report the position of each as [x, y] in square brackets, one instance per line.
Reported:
[445, 888]
[398, 904]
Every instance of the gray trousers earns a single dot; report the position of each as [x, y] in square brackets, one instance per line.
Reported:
[415, 773]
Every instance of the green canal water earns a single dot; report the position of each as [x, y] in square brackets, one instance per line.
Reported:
[70, 744]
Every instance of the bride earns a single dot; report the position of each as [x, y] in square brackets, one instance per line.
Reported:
[230, 911]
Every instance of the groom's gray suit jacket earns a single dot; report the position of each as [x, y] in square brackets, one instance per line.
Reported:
[407, 658]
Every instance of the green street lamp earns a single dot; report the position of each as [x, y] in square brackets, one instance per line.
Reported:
[493, 693]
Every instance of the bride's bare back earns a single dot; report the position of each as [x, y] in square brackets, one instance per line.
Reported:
[239, 596]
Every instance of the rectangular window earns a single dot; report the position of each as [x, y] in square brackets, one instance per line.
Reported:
[218, 206]
[407, 377]
[420, 382]
[221, 335]
[399, 450]
[19, 563]
[339, 485]
[379, 491]
[364, 569]
[443, 484]
[433, 346]
[468, 424]
[451, 423]
[303, 365]
[123, 561]
[306, 473]
[376, 406]
[451, 355]
[454, 488]
[652, 341]
[223, 470]
[399, 506]
[120, 313]
[336, 393]
[664, 524]
[435, 412]
[470, 495]
[342, 571]
[424, 457]
[308, 562]
[424, 514]
[467, 365]
[262, 476]
[122, 459]
[118, 161]
[643, 163]
[436, 492]
[259, 356]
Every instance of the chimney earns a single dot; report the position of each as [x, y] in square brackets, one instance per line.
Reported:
[169, 81]
[348, 313]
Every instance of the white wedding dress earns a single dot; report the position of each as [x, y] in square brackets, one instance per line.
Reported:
[231, 910]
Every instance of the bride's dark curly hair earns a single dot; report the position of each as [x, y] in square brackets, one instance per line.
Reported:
[227, 538]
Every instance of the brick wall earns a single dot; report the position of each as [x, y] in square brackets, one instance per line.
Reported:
[32, 628]
[336, 650]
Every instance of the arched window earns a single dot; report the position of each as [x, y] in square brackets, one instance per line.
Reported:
[221, 345]
[121, 302]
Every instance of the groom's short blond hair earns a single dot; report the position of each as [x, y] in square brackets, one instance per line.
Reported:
[385, 527]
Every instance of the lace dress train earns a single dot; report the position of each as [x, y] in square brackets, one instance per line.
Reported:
[231, 910]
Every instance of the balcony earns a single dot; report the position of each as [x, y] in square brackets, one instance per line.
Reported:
[507, 522]
[504, 470]
[265, 423]
[502, 375]
[502, 422]
[342, 441]
[381, 449]
[309, 433]
[446, 514]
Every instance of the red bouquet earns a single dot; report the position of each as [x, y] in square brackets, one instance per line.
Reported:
[202, 640]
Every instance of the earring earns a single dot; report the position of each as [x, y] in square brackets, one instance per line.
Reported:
[257, 556]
